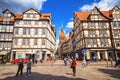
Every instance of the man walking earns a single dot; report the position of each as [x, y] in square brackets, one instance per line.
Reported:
[20, 67]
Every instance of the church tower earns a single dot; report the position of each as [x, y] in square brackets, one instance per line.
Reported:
[62, 36]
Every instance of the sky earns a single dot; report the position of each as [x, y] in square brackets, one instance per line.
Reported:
[62, 10]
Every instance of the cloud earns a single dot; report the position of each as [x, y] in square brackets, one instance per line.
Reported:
[69, 24]
[71, 19]
[18, 6]
[102, 4]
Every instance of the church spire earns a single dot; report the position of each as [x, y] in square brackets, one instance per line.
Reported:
[62, 35]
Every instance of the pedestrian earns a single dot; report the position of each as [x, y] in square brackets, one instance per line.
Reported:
[117, 63]
[65, 61]
[111, 61]
[73, 66]
[28, 69]
[20, 67]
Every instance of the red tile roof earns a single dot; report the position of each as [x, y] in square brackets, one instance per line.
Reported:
[18, 16]
[1, 18]
[82, 15]
[85, 15]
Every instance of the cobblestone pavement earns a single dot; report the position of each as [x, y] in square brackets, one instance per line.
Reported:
[44, 71]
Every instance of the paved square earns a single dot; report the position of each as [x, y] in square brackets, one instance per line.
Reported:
[44, 71]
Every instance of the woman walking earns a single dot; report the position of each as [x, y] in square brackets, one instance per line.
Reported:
[73, 66]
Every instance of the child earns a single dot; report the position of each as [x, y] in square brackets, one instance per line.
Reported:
[28, 69]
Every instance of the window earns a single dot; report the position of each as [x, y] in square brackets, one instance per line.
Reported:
[15, 41]
[118, 44]
[91, 24]
[116, 33]
[27, 41]
[28, 31]
[23, 42]
[0, 27]
[2, 44]
[28, 15]
[99, 16]
[36, 31]
[29, 22]
[34, 15]
[43, 41]
[3, 27]
[91, 32]
[9, 15]
[11, 28]
[103, 41]
[44, 23]
[25, 22]
[101, 24]
[114, 24]
[94, 41]
[2, 35]
[36, 22]
[43, 31]
[103, 32]
[16, 30]
[5, 44]
[24, 31]
[6, 36]
[10, 36]
[35, 41]
[119, 24]
[17, 22]
[95, 11]
[9, 45]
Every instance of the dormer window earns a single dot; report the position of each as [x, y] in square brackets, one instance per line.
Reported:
[9, 15]
[28, 15]
[99, 16]
[34, 15]
[5, 14]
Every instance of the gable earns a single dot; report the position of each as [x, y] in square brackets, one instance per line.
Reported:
[30, 11]
[31, 14]
[116, 13]
[96, 14]
[116, 10]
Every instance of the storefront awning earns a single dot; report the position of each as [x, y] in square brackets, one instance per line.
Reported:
[3, 53]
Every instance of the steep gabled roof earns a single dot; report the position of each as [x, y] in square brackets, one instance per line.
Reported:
[33, 10]
[8, 11]
[83, 16]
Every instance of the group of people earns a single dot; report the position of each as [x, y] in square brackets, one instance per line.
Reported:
[21, 66]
